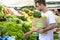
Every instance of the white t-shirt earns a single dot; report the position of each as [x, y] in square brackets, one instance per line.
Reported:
[50, 19]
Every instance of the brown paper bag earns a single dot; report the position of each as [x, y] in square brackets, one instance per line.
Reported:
[39, 22]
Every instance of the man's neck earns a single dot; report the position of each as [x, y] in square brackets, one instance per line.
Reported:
[44, 9]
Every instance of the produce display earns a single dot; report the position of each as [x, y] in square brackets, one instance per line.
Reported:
[15, 25]
[1, 11]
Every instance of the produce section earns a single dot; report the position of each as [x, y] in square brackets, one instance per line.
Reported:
[16, 22]
[17, 25]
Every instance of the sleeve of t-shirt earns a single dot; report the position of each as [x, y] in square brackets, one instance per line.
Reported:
[51, 18]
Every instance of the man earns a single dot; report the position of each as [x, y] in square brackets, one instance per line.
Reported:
[58, 26]
[58, 12]
[50, 23]
[54, 11]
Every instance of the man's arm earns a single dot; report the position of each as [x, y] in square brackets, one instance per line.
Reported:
[33, 29]
[51, 26]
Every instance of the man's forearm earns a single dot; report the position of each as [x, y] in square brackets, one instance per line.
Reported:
[52, 26]
[30, 32]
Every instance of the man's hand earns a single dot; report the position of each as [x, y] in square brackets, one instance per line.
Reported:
[26, 35]
[41, 30]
